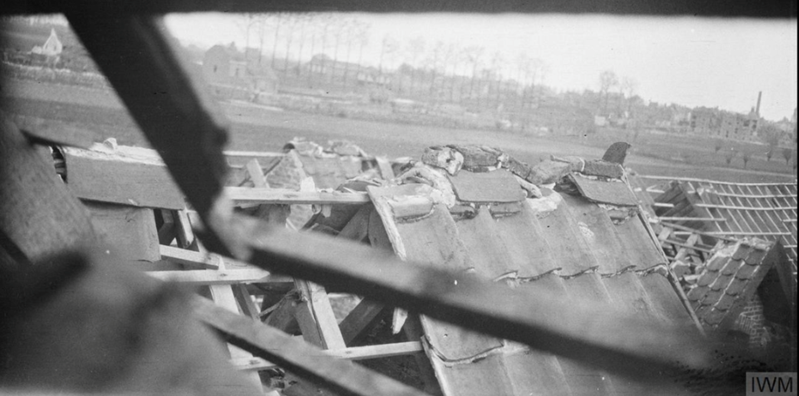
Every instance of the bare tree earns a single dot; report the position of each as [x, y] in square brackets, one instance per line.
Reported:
[497, 62]
[628, 87]
[362, 37]
[607, 80]
[432, 62]
[388, 49]
[787, 153]
[304, 22]
[747, 155]
[246, 22]
[474, 56]
[414, 49]
[277, 17]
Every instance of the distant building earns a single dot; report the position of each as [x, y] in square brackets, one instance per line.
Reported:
[226, 66]
[51, 47]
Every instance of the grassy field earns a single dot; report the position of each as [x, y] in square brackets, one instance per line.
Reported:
[263, 129]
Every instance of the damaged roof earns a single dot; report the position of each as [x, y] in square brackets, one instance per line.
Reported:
[734, 210]
[477, 210]
[730, 279]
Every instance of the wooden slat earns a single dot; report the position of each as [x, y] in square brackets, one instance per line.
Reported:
[296, 356]
[279, 196]
[190, 258]
[352, 353]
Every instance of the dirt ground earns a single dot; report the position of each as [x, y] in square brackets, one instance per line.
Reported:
[259, 128]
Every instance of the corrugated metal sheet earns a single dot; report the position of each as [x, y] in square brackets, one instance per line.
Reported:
[573, 250]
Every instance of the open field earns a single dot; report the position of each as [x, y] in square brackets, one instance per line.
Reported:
[255, 128]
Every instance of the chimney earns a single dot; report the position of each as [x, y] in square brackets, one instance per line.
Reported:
[757, 109]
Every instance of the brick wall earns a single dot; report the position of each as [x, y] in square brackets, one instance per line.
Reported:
[752, 321]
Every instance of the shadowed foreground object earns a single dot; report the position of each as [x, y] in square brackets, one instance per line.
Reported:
[616, 153]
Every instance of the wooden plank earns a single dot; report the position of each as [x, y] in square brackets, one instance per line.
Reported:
[280, 196]
[104, 177]
[224, 299]
[296, 356]
[361, 319]
[213, 277]
[358, 226]
[190, 258]
[38, 214]
[246, 304]
[127, 232]
[487, 187]
[315, 299]
[351, 353]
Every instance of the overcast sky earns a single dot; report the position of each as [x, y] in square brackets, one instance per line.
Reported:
[690, 61]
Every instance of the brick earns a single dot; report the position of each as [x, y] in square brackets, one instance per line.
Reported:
[476, 158]
[520, 169]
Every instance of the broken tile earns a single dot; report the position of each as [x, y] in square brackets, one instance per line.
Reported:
[487, 187]
[603, 168]
[548, 172]
[519, 168]
[608, 192]
[477, 159]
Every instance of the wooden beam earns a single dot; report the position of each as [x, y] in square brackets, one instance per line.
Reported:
[361, 319]
[213, 277]
[279, 196]
[243, 298]
[166, 234]
[190, 258]
[296, 356]
[352, 353]
[315, 315]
